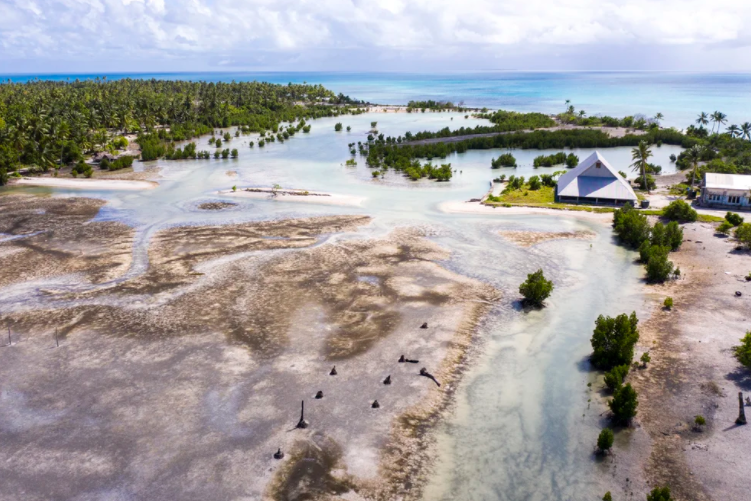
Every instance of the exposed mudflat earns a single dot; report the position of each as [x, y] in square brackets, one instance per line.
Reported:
[181, 382]
[43, 236]
[531, 238]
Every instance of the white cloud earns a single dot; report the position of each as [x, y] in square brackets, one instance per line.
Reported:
[324, 30]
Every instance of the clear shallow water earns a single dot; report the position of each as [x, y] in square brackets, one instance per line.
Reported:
[679, 96]
[518, 432]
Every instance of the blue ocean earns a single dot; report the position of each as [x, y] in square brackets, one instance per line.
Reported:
[680, 97]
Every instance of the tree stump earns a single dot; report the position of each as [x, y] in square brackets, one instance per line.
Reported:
[741, 412]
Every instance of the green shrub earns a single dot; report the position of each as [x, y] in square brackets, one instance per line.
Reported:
[624, 404]
[607, 497]
[534, 183]
[743, 351]
[645, 358]
[505, 160]
[699, 421]
[733, 218]
[233, 153]
[338, 127]
[614, 377]
[536, 289]
[673, 235]
[121, 162]
[678, 210]
[631, 227]
[605, 440]
[613, 340]
[659, 494]
[725, 227]
[743, 234]
[105, 163]
[650, 182]
[659, 267]
[668, 303]
[227, 137]
[572, 161]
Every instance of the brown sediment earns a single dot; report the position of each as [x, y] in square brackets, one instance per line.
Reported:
[58, 237]
[693, 372]
[531, 238]
[309, 473]
[216, 205]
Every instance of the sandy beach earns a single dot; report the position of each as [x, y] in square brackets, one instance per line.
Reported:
[295, 195]
[87, 184]
[459, 207]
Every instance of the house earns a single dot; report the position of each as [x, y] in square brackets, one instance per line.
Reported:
[726, 191]
[594, 181]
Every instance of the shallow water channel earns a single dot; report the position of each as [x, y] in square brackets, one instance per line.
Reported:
[521, 427]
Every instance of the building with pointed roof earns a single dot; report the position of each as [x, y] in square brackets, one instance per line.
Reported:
[594, 181]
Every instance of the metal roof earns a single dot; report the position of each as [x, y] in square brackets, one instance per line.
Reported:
[607, 183]
[727, 181]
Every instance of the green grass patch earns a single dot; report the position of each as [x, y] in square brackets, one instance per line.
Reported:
[544, 195]
[704, 218]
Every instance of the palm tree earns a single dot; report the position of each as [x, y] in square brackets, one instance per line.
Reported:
[582, 113]
[703, 119]
[746, 130]
[694, 155]
[719, 119]
[641, 155]
[659, 116]
[734, 130]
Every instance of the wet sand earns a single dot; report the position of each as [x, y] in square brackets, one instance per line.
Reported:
[459, 207]
[181, 382]
[87, 184]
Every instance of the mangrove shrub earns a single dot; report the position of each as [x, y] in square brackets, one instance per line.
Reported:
[624, 404]
[536, 289]
[613, 340]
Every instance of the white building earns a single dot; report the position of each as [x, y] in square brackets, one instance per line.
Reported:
[594, 181]
[726, 191]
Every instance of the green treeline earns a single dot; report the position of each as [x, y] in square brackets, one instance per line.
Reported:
[390, 154]
[46, 124]
[504, 121]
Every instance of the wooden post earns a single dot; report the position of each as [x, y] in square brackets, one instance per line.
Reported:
[741, 413]
[57, 343]
[302, 423]
[10, 343]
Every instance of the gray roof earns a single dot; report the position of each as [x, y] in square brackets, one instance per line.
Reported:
[727, 181]
[593, 178]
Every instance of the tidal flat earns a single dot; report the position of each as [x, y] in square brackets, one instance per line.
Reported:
[189, 337]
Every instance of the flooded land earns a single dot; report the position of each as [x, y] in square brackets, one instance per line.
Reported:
[162, 340]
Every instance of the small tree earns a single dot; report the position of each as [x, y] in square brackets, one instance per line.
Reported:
[607, 497]
[645, 358]
[743, 351]
[605, 441]
[725, 227]
[668, 303]
[624, 404]
[659, 267]
[659, 494]
[614, 377]
[536, 289]
[613, 340]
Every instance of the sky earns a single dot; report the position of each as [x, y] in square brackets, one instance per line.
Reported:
[78, 36]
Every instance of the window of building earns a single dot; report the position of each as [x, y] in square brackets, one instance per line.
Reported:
[598, 165]
[714, 197]
[735, 199]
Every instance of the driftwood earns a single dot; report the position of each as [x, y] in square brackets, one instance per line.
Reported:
[278, 454]
[402, 360]
[333, 371]
[319, 395]
[387, 380]
[425, 373]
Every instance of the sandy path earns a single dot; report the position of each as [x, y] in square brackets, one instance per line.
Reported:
[458, 207]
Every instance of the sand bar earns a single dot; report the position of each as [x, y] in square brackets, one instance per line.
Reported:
[87, 184]
[296, 195]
